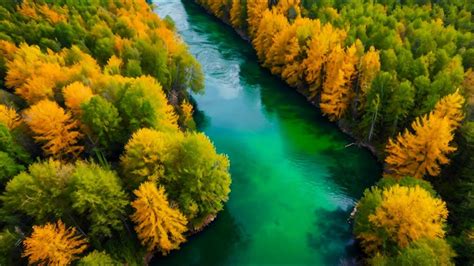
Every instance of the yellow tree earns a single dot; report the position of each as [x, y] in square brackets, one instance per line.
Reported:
[369, 66]
[271, 24]
[158, 225]
[421, 152]
[54, 128]
[425, 150]
[407, 214]
[33, 74]
[451, 107]
[53, 244]
[337, 91]
[255, 10]
[9, 117]
[322, 41]
[76, 94]
[236, 14]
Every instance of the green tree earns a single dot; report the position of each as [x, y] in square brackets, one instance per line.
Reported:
[97, 194]
[103, 124]
[41, 192]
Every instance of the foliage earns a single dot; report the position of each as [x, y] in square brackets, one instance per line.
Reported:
[53, 244]
[54, 128]
[158, 225]
[97, 194]
[422, 152]
[391, 216]
[97, 258]
[40, 192]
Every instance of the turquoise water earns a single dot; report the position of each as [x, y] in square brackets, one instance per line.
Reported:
[294, 182]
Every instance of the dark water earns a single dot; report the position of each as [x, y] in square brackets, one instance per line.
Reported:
[294, 182]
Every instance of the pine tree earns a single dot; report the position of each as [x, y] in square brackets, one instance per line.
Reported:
[53, 244]
[158, 225]
[270, 25]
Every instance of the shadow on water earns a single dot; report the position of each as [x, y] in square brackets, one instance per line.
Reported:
[201, 249]
[351, 171]
[334, 227]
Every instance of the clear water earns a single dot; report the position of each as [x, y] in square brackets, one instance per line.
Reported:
[294, 182]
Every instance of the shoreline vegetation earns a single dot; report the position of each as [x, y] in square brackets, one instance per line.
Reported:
[398, 78]
[100, 161]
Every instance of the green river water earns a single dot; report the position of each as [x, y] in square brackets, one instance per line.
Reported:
[293, 181]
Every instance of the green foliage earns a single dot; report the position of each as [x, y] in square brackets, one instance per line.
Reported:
[97, 194]
[41, 192]
[97, 258]
[8, 167]
[9, 242]
[103, 122]
[193, 174]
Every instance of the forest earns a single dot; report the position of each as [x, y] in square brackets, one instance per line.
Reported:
[398, 76]
[100, 160]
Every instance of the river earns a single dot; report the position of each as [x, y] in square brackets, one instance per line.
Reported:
[294, 182]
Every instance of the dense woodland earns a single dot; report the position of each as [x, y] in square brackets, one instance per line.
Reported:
[100, 163]
[397, 75]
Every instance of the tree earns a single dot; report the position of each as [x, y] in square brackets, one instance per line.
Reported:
[255, 10]
[270, 25]
[41, 192]
[158, 225]
[146, 155]
[451, 107]
[76, 94]
[198, 179]
[102, 121]
[426, 252]
[423, 151]
[143, 104]
[337, 91]
[53, 244]
[9, 117]
[318, 51]
[54, 128]
[369, 67]
[97, 194]
[236, 14]
[392, 216]
[97, 258]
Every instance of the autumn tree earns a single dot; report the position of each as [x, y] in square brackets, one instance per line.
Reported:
[97, 194]
[337, 91]
[236, 17]
[270, 25]
[369, 67]
[146, 155]
[158, 225]
[425, 150]
[9, 117]
[393, 216]
[76, 94]
[322, 41]
[53, 244]
[255, 10]
[54, 128]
